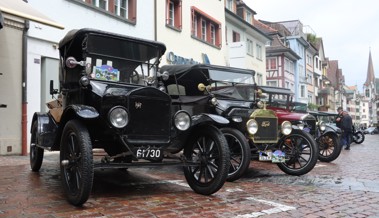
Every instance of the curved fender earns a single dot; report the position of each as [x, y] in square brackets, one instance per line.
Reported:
[46, 129]
[83, 111]
[202, 118]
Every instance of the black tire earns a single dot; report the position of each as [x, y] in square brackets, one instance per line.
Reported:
[330, 148]
[207, 146]
[301, 153]
[77, 174]
[240, 153]
[36, 153]
[358, 137]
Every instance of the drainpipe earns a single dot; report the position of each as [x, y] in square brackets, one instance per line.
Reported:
[155, 20]
[24, 118]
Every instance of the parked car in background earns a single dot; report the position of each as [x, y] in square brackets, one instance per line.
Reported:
[371, 130]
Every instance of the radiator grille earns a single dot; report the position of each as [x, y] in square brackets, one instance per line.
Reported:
[267, 130]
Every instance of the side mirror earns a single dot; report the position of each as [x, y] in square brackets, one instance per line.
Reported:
[52, 90]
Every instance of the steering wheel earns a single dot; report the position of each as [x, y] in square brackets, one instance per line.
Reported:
[134, 78]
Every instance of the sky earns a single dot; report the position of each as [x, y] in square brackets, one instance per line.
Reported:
[349, 29]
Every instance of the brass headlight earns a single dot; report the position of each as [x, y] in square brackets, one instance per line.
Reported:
[286, 128]
[252, 126]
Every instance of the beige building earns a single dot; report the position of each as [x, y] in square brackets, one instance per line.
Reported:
[193, 31]
[14, 26]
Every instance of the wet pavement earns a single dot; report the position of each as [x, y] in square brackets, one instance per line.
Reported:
[346, 187]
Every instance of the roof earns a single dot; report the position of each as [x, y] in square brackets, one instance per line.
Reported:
[22, 9]
[370, 72]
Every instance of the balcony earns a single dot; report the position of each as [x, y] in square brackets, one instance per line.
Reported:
[325, 91]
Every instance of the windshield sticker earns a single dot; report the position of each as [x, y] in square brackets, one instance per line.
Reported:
[106, 72]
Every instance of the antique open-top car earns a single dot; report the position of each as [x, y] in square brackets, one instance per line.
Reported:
[110, 100]
[232, 93]
[327, 137]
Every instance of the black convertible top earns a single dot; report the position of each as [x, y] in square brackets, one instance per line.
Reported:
[276, 90]
[185, 68]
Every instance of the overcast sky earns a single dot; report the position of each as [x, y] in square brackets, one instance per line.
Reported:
[348, 29]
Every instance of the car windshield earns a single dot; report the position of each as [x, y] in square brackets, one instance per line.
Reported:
[232, 84]
[119, 60]
[230, 77]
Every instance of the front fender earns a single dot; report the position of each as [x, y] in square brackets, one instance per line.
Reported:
[83, 111]
[208, 118]
[46, 129]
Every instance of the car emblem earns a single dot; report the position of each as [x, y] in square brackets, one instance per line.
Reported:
[138, 105]
[265, 124]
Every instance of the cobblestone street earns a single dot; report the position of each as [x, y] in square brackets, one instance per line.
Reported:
[347, 187]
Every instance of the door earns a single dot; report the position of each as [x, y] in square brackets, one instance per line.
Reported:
[49, 71]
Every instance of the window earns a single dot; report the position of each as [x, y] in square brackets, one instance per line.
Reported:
[272, 83]
[236, 37]
[271, 64]
[309, 60]
[302, 91]
[121, 8]
[287, 84]
[174, 14]
[259, 52]
[288, 65]
[126, 9]
[229, 5]
[205, 28]
[194, 25]
[259, 79]
[248, 17]
[249, 47]
[213, 34]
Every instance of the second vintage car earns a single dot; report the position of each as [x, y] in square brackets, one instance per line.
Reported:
[253, 131]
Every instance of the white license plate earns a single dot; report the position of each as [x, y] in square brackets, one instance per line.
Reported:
[149, 153]
[265, 155]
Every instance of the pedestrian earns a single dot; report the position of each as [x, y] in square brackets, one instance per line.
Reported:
[345, 123]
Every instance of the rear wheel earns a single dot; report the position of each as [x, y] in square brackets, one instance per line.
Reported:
[329, 147]
[240, 153]
[76, 162]
[301, 153]
[207, 147]
[358, 137]
[36, 153]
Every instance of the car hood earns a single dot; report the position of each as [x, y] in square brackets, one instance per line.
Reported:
[284, 115]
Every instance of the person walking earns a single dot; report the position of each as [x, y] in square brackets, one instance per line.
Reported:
[345, 123]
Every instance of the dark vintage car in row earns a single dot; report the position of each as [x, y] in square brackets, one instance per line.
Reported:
[253, 131]
[111, 98]
[327, 136]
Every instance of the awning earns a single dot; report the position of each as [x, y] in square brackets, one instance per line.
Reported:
[22, 9]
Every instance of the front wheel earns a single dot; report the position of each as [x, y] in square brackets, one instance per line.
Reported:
[206, 147]
[76, 162]
[358, 137]
[329, 147]
[240, 153]
[36, 153]
[301, 153]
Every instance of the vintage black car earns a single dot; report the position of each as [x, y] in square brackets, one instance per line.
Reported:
[110, 100]
[231, 93]
[281, 101]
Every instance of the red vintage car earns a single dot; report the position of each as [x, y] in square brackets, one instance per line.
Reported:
[281, 101]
